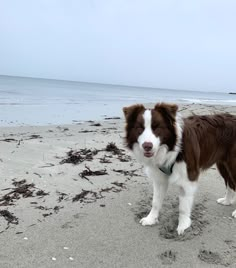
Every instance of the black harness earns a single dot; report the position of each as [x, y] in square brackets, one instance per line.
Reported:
[167, 170]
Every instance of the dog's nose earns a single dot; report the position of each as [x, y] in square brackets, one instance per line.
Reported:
[147, 146]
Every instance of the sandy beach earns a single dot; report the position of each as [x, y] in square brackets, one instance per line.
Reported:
[72, 196]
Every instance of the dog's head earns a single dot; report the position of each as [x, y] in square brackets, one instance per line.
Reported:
[150, 133]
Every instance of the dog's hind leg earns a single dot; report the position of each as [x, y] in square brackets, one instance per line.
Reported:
[227, 171]
[232, 170]
[228, 199]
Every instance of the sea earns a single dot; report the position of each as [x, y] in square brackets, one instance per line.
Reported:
[34, 101]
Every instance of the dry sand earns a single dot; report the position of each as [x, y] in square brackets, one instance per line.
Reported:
[54, 214]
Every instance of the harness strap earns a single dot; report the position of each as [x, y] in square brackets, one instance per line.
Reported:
[167, 170]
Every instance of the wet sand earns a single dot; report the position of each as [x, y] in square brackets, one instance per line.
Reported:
[72, 196]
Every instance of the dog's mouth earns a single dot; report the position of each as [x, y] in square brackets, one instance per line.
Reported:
[148, 154]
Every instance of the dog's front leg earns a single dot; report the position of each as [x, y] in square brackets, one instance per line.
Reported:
[186, 199]
[160, 185]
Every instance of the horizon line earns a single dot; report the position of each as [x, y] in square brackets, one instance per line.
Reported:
[107, 84]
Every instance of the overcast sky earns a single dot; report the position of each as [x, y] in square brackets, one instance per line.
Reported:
[183, 44]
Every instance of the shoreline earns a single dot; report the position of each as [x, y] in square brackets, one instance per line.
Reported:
[209, 108]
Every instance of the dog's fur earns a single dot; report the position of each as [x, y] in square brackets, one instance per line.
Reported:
[161, 139]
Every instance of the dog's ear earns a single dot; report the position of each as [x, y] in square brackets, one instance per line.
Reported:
[167, 109]
[130, 111]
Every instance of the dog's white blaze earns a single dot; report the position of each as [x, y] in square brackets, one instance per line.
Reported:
[147, 135]
[147, 119]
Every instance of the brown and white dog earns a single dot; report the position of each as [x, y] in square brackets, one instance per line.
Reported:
[175, 150]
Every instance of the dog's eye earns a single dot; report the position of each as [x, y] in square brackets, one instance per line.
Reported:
[139, 129]
[155, 126]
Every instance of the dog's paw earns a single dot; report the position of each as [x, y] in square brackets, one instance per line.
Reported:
[184, 223]
[234, 213]
[148, 221]
[224, 201]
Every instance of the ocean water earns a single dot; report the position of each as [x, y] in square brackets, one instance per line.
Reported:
[30, 101]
